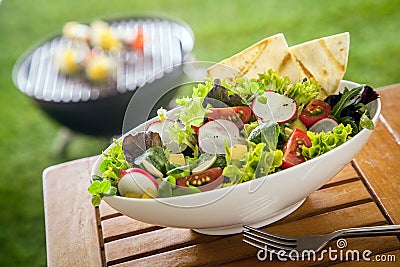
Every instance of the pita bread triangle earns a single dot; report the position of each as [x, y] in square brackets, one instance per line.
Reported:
[324, 59]
[269, 53]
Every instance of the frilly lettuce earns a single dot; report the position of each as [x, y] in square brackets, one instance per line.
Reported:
[245, 88]
[101, 188]
[191, 114]
[263, 157]
[302, 92]
[113, 162]
[326, 141]
[257, 163]
[272, 81]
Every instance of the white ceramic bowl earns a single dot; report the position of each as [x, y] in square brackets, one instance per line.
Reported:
[256, 203]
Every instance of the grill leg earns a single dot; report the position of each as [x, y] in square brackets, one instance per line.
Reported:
[63, 139]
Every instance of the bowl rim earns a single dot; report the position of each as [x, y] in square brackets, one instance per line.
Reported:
[221, 191]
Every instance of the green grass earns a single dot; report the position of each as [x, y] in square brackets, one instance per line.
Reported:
[222, 28]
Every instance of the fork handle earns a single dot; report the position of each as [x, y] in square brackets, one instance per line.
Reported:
[369, 231]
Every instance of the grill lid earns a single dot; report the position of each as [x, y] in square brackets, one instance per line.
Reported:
[37, 75]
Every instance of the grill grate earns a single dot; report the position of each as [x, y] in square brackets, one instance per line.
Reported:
[37, 75]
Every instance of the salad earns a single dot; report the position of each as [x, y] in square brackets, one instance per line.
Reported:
[231, 132]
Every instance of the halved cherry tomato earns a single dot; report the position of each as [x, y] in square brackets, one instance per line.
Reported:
[204, 181]
[314, 111]
[238, 115]
[292, 148]
[195, 128]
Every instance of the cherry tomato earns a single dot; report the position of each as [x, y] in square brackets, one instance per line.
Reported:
[292, 148]
[314, 111]
[195, 128]
[204, 181]
[238, 115]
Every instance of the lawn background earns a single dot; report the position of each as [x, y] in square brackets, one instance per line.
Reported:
[221, 29]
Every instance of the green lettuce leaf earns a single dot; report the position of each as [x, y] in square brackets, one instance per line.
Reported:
[302, 92]
[259, 162]
[247, 89]
[366, 122]
[113, 162]
[349, 97]
[192, 113]
[351, 108]
[100, 189]
[326, 141]
[267, 132]
[272, 81]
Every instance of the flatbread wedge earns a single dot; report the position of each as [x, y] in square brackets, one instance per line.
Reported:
[324, 59]
[269, 53]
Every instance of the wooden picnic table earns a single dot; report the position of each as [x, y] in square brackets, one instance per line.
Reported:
[365, 193]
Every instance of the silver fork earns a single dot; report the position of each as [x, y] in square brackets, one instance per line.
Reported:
[284, 245]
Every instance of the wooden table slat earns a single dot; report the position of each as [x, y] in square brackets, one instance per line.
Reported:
[76, 225]
[107, 212]
[390, 98]
[330, 199]
[347, 174]
[377, 165]
[123, 226]
[143, 245]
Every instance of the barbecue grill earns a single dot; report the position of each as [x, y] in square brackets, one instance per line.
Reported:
[98, 108]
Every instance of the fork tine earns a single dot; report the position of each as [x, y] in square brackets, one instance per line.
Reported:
[253, 244]
[266, 234]
[271, 247]
[271, 241]
[267, 249]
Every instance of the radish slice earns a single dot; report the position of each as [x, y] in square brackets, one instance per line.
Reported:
[204, 165]
[214, 134]
[151, 169]
[323, 125]
[161, 127]
[138, 181]
[278, 108]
